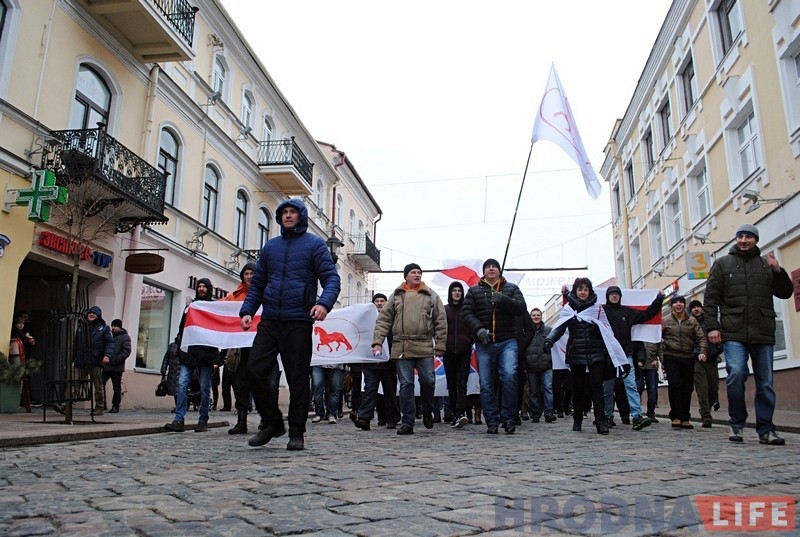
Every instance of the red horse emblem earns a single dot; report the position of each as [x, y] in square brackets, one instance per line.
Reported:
[327, 339]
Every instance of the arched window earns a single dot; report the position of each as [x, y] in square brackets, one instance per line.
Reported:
[92, 100]
[247, 109]
[352, 228]
[220, 71]
[359, 292]
[264, 222]
[240, 224]
[267, 129]
[168, 162]
[210, 194]
[360, 228]
[339, 210]
[350, 289]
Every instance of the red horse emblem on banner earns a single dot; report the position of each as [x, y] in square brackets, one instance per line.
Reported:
[327, 339]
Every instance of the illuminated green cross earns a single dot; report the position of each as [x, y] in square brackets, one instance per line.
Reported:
[42, 194]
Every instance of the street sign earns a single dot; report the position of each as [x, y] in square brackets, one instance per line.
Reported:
[698, 264]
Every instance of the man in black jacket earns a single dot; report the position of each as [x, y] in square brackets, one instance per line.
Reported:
[622, 319]
[490, 311]
[740, 314]
[89, 360]
[114, 366]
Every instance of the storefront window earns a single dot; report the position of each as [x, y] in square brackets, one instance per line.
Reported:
[154, 326]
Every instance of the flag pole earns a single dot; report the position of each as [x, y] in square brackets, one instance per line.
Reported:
[519, 198]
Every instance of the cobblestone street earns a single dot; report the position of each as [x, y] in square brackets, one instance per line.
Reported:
[541, 480]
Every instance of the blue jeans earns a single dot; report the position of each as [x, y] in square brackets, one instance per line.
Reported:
[736, 354]
[327, 384]
[427, 384]
[634, 399]
[204, 372]
[541, 396]
[498, 361]
[649, 380]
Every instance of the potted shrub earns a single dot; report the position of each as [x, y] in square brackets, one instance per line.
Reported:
[11, 376]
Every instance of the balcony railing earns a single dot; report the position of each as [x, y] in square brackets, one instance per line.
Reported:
[286, 153]
[78, 156]
[365, 253]
[180, 14]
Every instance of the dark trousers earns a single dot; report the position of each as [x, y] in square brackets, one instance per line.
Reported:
[522, 381]
[215, 382]
[588, 386]
[241, 381]
[456, 370]
[562, 389]
[387, 379]
[116, 385]
[649, 380]
[680, 379]
[226, 385]
[356, 373]
[292, 340]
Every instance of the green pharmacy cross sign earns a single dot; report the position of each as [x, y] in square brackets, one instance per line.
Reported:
[42, 194]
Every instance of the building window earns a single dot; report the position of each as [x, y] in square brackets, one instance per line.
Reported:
[247, 109]
[220, 71]
[700, 194]
[352, 226]
[780, 325]
[359, 292]
[155, 326]
[339, 211]
[665, 117]
[350, 289]
[630, 182]
[92, 100]
[240, 224]
[674, 219]
[264, 222]
[730, 23]
[747, 138]
[636, 260]
[621, 270]
[319, 193]
[616, 201]
[3, 10]
[267, 129]
[656, 238]
[210, 194]
[648, 151]
[689, 86]
[168, 162]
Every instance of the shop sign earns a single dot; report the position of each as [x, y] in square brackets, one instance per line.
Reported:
[63, 245]
[144, 263]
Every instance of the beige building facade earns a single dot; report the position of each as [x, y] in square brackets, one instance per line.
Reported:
[185, 147]
[711, 140]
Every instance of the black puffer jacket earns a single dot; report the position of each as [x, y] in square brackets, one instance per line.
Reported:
[536, 358]
[459, 340]
[198, 354]
[499, 319]
[585, 344]
[738, 297]
[623, 318]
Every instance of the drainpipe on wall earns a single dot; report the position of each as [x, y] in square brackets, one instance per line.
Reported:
[150, 108]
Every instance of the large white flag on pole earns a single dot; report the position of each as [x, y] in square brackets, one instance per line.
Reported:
[555, 123]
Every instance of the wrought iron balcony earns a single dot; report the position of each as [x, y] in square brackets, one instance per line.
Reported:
[152, 30]
[106, 177]
[365, 253]
[285, 163]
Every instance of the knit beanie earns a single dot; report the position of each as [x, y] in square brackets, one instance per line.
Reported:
[376, 296]
[247, 266]
[613, 289]
[679, 298]
[694, 304]
[408, 268]
[750, 229]
[488, 262]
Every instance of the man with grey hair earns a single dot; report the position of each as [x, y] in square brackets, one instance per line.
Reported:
[740, 314]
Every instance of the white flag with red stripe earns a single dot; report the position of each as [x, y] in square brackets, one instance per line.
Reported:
[345, 336]
[469, 272]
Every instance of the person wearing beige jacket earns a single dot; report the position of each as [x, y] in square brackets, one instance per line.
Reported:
[415, 317]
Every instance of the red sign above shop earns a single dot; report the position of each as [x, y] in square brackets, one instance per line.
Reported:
[63, 245]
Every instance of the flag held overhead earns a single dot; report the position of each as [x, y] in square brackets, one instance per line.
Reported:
[555, 123]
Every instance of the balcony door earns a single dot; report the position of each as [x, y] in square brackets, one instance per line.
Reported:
[92, 100]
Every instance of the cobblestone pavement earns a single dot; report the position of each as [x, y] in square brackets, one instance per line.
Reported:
[545, 479]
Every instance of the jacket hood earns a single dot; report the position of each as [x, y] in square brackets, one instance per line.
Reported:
[250, 266]
[208, 285]
[450, 296]
[613, 289]
[302, 224]
[97, 311]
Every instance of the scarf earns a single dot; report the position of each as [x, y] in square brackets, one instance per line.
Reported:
[595, 314]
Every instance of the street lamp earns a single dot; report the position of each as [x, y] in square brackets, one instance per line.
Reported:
[334, 243]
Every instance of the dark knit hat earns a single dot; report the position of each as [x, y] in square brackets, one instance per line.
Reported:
[488, 262]
[695, 303]
[376, 296]
[411, 266]
[117, 322]
[749, 229]
[679, 298]
[613, 289]
[247, 266]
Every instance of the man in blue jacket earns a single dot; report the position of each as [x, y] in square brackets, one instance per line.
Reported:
[285, 284]
[94, 344]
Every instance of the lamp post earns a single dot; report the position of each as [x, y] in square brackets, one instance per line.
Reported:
[334, 243]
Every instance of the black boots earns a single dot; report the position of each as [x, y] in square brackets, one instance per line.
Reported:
[241, 423]
[576, 423]
[602, 427]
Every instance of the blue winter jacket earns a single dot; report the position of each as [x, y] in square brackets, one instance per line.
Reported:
[287, 272]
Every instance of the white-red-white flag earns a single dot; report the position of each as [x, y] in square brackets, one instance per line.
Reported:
[469, 272]
[555, 123]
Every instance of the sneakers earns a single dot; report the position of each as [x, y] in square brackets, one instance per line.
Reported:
[332, 420]
[771, 438]
[716, 406]
[653, 418]
[736, 435]
[174, 426]
[266, 434]
[316, 419]
[201, 428]
[296, 443]
[686, 425]
[362, 424]
[640, 422]
[676, 424]
[459, 422]
[114, 410]
[427, 421]
[405, 429]
[706, 424]
[550, 419]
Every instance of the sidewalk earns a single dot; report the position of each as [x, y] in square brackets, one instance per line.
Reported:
[23, 429]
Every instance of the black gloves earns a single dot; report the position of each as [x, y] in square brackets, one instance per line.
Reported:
[497, 299]
[547, 346]
[484, 336]
[624, 371]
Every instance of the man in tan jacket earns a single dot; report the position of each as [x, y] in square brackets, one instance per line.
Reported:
[415, 316]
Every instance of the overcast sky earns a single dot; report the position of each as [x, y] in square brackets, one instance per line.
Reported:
[434, 103]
